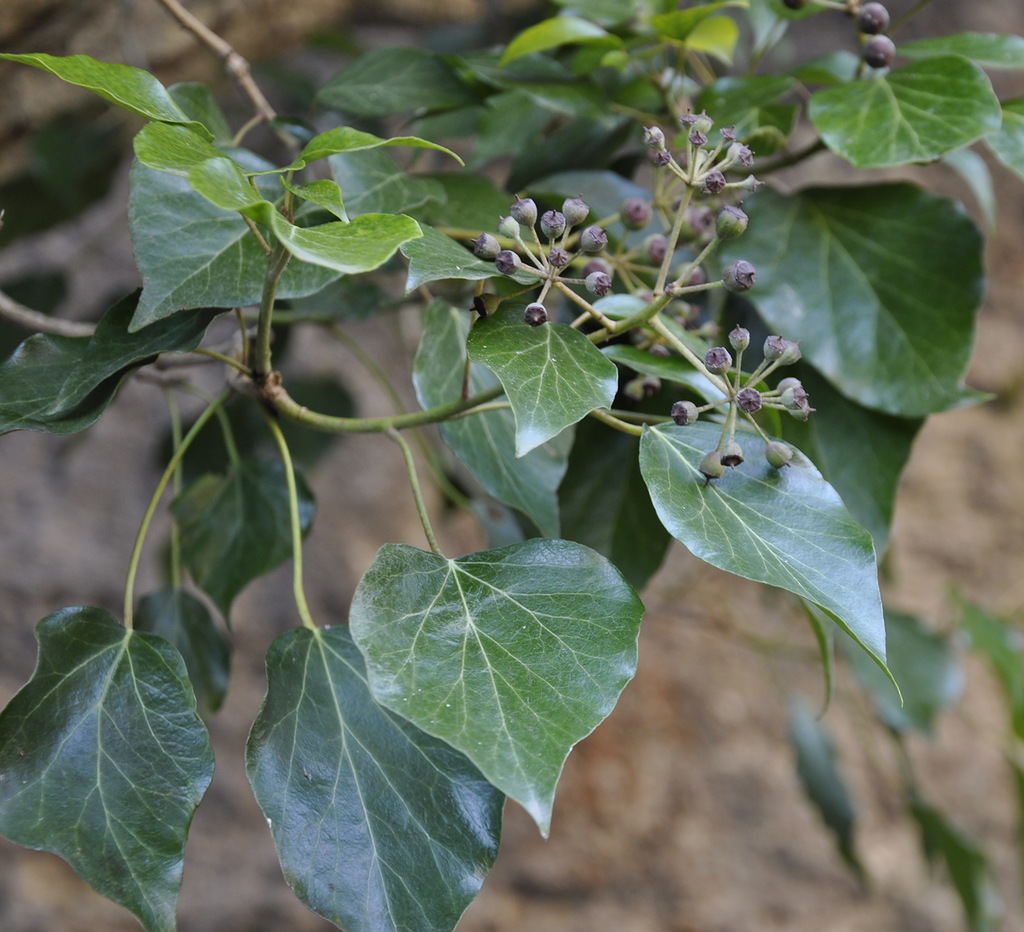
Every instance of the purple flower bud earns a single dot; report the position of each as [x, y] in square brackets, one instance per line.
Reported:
[656, 245]
[878, 52]
[635, 213]
[659, 158]
[485, 246]
[535, 314]
[731, 222]
[506, 262]
[748, 400]
[740, 276]
[597, 265]
[717, 360]
[654, 138]
[684, 413]
[524, 209]
[729, 133]
[785, 351]
[738, 152]
[598, 283]
[714, 181]
[873, 19]
[552, 224]
[731, 454]
[558, 257]
[698, 139]
[739, 338]
[749, 184]
[575, 210]
[593, 239]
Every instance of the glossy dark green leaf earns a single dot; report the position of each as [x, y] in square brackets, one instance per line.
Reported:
[511, 123]
[395, 80]
[192, 254]
[436, 257]
[372, 183]
[323, 193]
[485, 442]
[605, 505]
[668, 368]
[553, 375]
[860, 452]
[554, 33]
[186, 622]
[235, 527]
[61, 385]
[784, 527]
[198, 103]
[347, 139]
[1008, 143]
[1003, 646]
[744, 102]
[821, 779]
[913, 114]
[379, 827]
[926, 668]
[511, 655]
[965, 862]
[880, 285]
[988, 49]
[131, 88]
[470, 202]
[103, 760]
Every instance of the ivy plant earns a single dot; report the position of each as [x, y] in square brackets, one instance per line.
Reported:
[616, 300]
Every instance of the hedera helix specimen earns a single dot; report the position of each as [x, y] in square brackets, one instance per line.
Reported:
[581, 356]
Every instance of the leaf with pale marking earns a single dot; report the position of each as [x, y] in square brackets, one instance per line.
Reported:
[784, 527]
[103, 760]
[553, 375]
[1008, 143]
[510, 655]
[378, 826]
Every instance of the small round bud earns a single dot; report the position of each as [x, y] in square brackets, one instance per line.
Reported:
[508, 226]
[656, 245]
[879, 51]
[654, 138]
[787, 383]
[659, 157]
[552, 224]
[785, 351]
[658, 349]
[506, 262]
[731, 454]
[739, 338]
[749, 184]
[740, 276]
[795, 401]
[873, 19]
[535, 314]
[731, 222]
[558, 257]
[714, 182]
[575, 210]
[711, 466]
[717, 360]
[738, 152]
[728, 133]
[598, 283]
[593, 239]
[643, 386]
[748, 400]
[635, 213]
[684, 413]
[524, 209]
[696, 221]
[597, 265]
[698, 138]
[485, 246]
[697, 122]
[778, 454]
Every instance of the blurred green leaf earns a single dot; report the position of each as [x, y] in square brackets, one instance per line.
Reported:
[1003, 646]
[1008, 142]
[554, 33]
[990, 50]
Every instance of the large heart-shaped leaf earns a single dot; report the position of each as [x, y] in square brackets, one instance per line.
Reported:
[511, 655]
[191, 253]
[235, 527]
[553, 375]
[784, 527]
[486, 442]
[913, 114]
[880, 284]
[103, 760]
[989, 49]
[63, 384]
[379, 827]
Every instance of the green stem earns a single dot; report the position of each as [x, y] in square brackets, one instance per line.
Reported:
[175, 556]
[417, 492]
[299, 593]
[673, 239]
[680, 347]
[169, 471]
[611, 420]
[275, 269]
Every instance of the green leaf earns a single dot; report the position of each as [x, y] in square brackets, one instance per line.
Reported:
[913, 114]
[511, 655]
[103, 760]
[1008, 142]
[373, 183]
[174, 149]
[193, 254]
[680, 24]
[743, 102]
[667, 368]
[131, 88]
[821, 779]
[436, 257]
[61, 385]
[965, 862]
[485, 443]
[974, 172]
[990, 50]
[605, 504]
[470, 202]
[346, 139]
[379, 827]
[784, 527]
[860, 452]
[323, 193]
[180, 618]
[923, 663]
[880, 284]
[235, 527]
[511, 123]
[716, 36]
[554, 33]
[395, 80]
[553, 375]
[198, 103]
[1000, 643]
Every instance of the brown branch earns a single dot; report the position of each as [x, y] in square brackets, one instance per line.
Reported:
[35, 320]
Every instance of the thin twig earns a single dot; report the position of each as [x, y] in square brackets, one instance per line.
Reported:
[35, 320]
